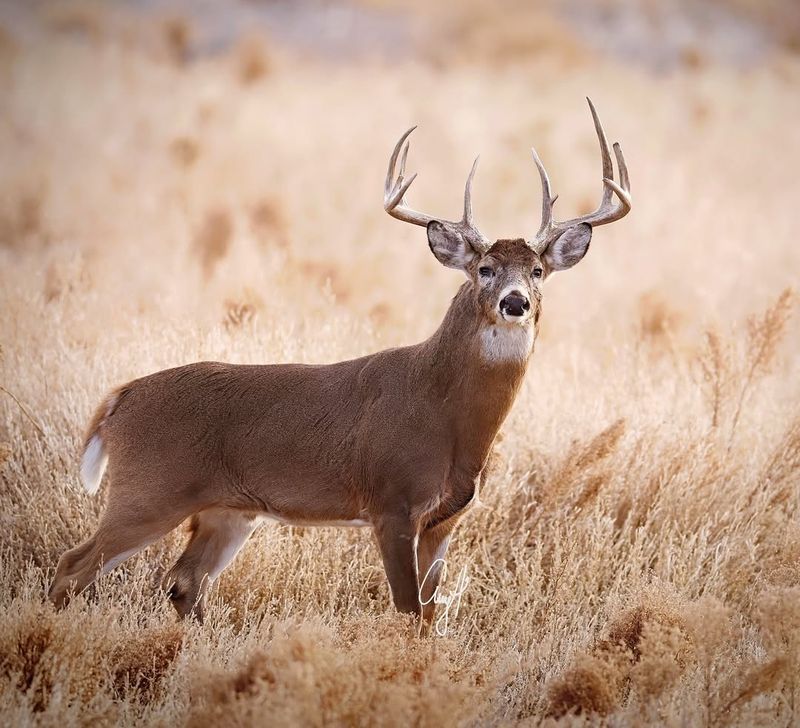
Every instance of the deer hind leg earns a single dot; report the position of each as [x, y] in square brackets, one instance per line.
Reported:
[122, 533]
[217, 536]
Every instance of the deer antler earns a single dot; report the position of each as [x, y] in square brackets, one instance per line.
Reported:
[606, 212]
[394, 198]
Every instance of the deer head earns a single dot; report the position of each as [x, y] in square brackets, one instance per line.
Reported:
[507, 274]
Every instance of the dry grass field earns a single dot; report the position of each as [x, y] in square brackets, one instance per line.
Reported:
[166, 198]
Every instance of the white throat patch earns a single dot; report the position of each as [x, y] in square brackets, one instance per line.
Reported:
[510, 343]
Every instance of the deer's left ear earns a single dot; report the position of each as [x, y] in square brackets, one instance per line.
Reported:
[569, 247]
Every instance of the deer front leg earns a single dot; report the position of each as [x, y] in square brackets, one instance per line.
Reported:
[397, 539]
[431, 551]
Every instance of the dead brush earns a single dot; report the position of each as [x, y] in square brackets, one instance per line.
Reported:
[329, 275]
[783, 469]
[592, 685]
[22, 219]
[657, 324]
[177, 38]
[213, 240]
[252, 60]
[777, 614]
[9, 48]
[644, 653]
[241, 312]
[305, 670]
[664, 653]
[746, 684]
[577, 481]
[64, 276]
[268, 224]
[5, 453]
[41, 654]
[26, 657]
[521, 32]
[185, 151]
[715, 364]
[85, 18]
[764, 335]
[728, 379]
[140, 663]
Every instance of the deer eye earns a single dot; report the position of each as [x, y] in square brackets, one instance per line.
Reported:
[537, 272]
[485, 272]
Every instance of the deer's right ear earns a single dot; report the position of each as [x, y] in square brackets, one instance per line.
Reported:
[449, 246]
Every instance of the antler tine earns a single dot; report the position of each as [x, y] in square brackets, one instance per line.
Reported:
[403, 158]
[468, 193]
[548, 200]
[617, 211]
[621, 190]
[605, 153]
[624, 198]
[387, 186]
[396, 201]
[399, 191]
[624, 181]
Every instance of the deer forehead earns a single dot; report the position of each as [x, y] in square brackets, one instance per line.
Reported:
[513, 251]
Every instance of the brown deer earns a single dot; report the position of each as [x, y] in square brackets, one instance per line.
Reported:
[396, 440]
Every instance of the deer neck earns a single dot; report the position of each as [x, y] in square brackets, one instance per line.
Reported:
[475, 369]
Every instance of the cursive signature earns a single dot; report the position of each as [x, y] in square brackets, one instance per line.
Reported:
[439, 597]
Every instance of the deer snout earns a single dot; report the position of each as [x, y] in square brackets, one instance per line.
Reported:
[514, 305]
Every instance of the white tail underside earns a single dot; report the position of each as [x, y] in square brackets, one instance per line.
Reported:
[93, 464]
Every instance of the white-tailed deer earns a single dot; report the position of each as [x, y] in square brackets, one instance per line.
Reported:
[395, 440]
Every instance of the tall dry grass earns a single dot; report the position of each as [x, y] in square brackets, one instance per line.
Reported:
[635, 558]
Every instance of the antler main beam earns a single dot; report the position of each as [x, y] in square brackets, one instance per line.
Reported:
[395, 188]
[606, 212]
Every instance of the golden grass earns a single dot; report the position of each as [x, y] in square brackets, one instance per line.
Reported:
[635, 557]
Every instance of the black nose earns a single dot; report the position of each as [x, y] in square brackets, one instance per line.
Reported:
[515, 304]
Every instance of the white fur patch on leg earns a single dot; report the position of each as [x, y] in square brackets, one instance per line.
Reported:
[93, 464]
[506, 343]
[235, 529]
[117, 560]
